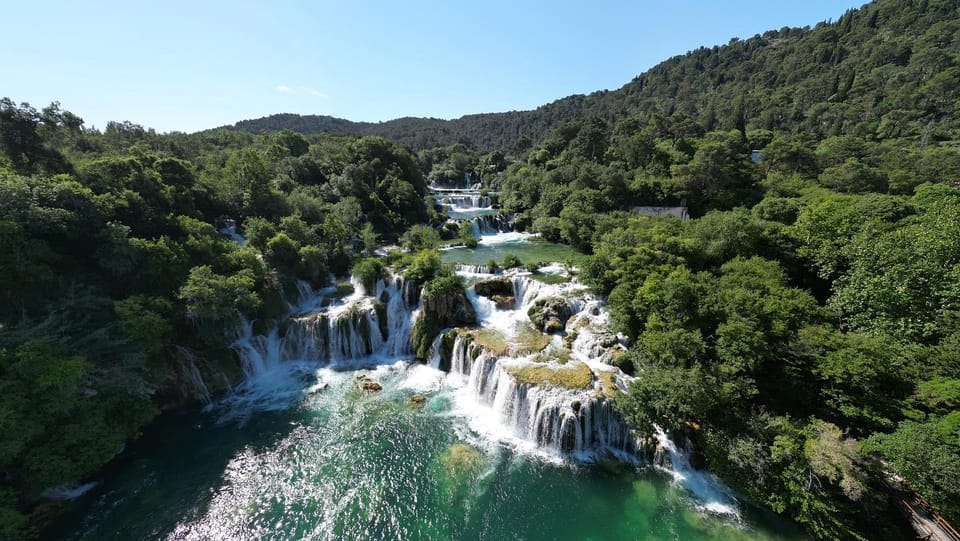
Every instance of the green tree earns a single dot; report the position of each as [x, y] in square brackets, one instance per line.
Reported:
[215, 303]
[420, 237]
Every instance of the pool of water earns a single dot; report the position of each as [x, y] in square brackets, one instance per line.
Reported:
[527, 248]
[339, 463]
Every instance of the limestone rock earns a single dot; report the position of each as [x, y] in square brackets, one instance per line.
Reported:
[440, 312]
[366, 384]
[496, 286]
[550, 315]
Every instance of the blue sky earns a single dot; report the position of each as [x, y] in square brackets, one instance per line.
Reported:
[186, 66]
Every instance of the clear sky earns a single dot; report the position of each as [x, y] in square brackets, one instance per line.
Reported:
[191, 65]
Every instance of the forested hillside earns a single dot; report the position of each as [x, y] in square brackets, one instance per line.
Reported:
[120, 292]
[884, 71]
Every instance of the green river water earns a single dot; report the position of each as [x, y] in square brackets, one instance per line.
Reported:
[343, 464]
[300, 453]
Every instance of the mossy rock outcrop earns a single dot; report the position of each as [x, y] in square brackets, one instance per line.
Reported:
[496, 286]
[550, 315]
[366, 384]
[439, 311]
[574, 375]
[500, 290]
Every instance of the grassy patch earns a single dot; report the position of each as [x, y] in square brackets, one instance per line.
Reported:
[560, 356]
[527, 341]
[570, 376]
[461, 460]
[491, 340]
[530, 340]
[550, 279]
[608, 384]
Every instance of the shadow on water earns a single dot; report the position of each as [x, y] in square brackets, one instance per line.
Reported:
[180, 457]
[346, 464]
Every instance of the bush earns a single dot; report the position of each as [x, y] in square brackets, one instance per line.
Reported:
[368, 270]
[445, 284]
[424, 267]
[511, 261]
[420, 237]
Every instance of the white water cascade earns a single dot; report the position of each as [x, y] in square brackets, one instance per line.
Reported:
[580, 422]
[466, 201]
[356, 331]
[491, 225]
[714, 497]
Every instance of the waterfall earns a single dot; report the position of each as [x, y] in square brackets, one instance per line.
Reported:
[491, 225]
[716, 498]
[464, 268]
[527, 291]
[375, 323]
[435, 353]
[228, 228]
[561, 420]
[467, 201]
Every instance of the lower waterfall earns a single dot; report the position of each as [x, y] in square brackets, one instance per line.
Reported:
[561, 420]
[370, 329]
[341, 333]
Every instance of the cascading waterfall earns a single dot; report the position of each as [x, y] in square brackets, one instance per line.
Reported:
[464, 268]
[364, 325]
[668, 457]
[560, 420]
[373, 325]
[467, 201]
[527, 291]
[490, 225]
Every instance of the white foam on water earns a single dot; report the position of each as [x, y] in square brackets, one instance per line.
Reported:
[505, 238]
[709, 493]
[68, 492]
[553, 268]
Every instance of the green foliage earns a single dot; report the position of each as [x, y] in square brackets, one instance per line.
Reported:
[259, 231]
[667, 396]
[216, 303]
[283, 253]
[929, 459]
[420, 237]
[60, 423]
[368, 271]
[720, 174]
[369, 238]
[510, 261]
[853, 177]
[445, 284]
[424, 266]
[921, 255]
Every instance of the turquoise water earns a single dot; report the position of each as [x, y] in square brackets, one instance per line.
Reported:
[527, 249]
[298, 452]
[344, 464]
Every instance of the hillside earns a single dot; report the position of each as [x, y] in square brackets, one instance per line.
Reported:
[886, 70]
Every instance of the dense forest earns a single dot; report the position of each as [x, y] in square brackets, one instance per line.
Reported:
[886, 70]
[803, 329]
[119, 292]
